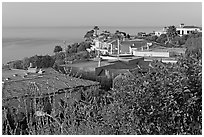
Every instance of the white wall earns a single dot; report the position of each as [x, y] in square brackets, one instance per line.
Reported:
[186, 29]
[97, 44]
[158, 33]
[150, 54]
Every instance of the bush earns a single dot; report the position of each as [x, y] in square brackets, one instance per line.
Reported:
[57, 49]
[17, 64]
[166, 100]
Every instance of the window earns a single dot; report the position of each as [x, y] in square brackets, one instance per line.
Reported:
[188, 32]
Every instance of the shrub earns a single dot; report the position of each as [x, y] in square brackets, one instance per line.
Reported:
[166, 100]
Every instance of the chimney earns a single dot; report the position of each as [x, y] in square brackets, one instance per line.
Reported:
[31, 65]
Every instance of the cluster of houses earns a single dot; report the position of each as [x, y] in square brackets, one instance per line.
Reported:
[141, 47]
[181, 30]
[116, 56]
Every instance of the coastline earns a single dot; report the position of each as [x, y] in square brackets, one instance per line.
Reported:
[20, 42]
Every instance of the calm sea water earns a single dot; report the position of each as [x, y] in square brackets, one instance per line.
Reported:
[20, 42]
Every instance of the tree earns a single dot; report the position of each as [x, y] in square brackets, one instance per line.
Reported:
[87, 44]
[162, 38]
[34, 60]
[183, 39]
[39, 61]
[59, 60]
[89, 35]
[152, 38]
[82, 46]
[128, 36]
[82, 55]
[26, 63]
[57, 49]
[17, 64]
[118, 35]
[73, 48]
[47, 61]
[171, 32]
[194, 44]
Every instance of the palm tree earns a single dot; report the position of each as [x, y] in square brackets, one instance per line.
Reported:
[119, 37]
[96, 28]
[171, 32]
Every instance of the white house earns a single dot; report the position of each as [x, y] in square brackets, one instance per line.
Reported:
[32, 69]
[101, 46]
[147, 53]
[184, 30]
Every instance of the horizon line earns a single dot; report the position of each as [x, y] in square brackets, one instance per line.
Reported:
[92, 26]
[83, 26]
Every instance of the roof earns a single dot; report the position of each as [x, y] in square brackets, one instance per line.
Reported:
[88, 64]
[156, 47]
[191, 27]
[111, 40]
[122, 63]
[47, 83]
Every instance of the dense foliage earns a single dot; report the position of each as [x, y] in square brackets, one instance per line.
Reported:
[57, 49]
[39, 61]
[77, 47]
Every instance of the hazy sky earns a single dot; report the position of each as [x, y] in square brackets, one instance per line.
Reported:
[101, 14]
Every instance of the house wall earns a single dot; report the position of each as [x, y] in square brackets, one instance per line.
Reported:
[158, 33]
[32, 70]
[26, 104]
[185, 31]
[150, 54]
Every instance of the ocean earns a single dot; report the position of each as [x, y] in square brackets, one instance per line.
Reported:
[21, 42]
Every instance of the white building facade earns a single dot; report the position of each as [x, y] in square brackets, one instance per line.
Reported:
[185, 30]
[151, 53]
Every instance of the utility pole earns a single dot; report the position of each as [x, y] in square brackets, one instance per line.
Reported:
[118, 48]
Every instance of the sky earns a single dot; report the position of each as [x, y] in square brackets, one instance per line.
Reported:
[102, 14]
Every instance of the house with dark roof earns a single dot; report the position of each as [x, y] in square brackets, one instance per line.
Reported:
[184, 30]
[116, 67]
[51, 85]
